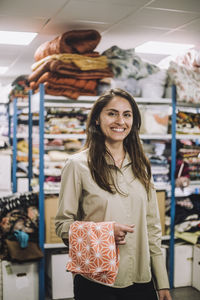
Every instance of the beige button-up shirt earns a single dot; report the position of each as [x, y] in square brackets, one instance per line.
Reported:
[82, 199]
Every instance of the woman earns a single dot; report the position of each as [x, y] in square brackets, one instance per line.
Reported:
[110, 180]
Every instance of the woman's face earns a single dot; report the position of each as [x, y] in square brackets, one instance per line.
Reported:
[116, 120]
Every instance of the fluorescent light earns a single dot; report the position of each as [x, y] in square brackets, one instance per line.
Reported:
[16, 38]
[3, 70]
[162, 48]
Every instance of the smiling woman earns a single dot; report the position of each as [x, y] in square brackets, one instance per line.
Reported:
[109, 184]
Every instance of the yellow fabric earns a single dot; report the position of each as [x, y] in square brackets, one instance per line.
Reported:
[191, 237]
[84, 63]
[82, 199]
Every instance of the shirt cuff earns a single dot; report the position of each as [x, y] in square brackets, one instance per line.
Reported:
[159, 272]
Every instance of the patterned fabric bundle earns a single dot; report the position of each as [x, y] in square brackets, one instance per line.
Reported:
[93, 252]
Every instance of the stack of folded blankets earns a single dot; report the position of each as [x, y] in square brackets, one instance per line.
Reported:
[68, 65]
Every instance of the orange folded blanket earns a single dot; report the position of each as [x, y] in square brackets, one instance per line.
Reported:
[74, 41]
[57, 66]
[66, 91]
[65, 82]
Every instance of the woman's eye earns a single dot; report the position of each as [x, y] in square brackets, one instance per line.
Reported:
[127, 115]
[111, 113]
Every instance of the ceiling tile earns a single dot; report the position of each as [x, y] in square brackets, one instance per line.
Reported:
[93, 12]
[21, 24]
[135, 3]
[36, 8]
[8, 54]
[160, 18]
[182, 36]
[129, 37]
[58, 27]
[193, 26]
[182, 5]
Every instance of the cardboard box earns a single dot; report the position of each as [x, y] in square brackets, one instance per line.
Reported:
[20, 281]
[196, 268]
[161, 206]
[183, 256]
[51, 206]
[59, 281]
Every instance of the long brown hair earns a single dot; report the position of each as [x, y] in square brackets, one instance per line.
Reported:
[95, 142]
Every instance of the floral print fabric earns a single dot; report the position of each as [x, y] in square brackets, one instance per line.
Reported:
[93, 252]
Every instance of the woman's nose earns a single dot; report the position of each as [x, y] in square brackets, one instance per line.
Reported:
[120, 119]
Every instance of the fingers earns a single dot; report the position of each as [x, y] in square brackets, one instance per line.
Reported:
[127, 228]
[120, 231]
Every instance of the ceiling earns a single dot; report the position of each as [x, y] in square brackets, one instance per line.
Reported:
[125, 23]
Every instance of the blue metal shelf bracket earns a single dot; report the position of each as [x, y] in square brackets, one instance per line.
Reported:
[14, 159]
[173, 203]
[30, 144]
[41, 195]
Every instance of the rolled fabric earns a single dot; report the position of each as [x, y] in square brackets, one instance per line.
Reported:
[74, 41]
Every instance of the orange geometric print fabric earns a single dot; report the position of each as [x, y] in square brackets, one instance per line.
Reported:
[93, 252]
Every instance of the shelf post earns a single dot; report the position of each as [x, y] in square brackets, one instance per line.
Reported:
[173, 203]
[30, 151]
[14, 158]
[9, 122]
[41, 194]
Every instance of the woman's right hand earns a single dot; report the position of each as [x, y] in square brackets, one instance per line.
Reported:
[120, 231]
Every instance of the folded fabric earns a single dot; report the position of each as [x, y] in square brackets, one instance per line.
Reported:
[70, 92]
[126, 64]
[190, 58]
[74, 41]
[93, 252]
[186, 81]
[83, 62]
[70, 70]
[65, 82]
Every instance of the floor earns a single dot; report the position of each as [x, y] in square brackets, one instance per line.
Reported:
[184, 293]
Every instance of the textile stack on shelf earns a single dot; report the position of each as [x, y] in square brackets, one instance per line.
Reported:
[132, 73]
[155, 150]
[188, 158]
[64, 134]
[187, 219]
[185, 74]
[20, 88]
[69, 66]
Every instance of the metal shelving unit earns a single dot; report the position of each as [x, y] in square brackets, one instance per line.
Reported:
[14, 120]
[42, 102]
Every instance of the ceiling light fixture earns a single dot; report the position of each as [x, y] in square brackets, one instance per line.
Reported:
[16, 38]
[153, 47]
[3, 70]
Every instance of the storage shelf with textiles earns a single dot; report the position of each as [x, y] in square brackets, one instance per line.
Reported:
[40, 102]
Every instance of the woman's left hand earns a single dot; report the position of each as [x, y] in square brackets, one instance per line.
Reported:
[164, 294]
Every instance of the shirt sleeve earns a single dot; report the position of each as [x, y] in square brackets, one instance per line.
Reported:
[158, 265]
[69, 198]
